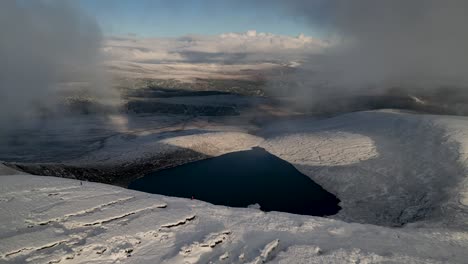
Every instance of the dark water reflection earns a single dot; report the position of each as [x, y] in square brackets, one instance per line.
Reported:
[241, 179]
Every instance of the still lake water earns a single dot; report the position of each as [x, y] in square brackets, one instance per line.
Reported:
[241, 179]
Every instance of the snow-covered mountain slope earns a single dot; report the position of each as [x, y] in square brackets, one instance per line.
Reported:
[387, 167]
[53, 220]
[4, 170]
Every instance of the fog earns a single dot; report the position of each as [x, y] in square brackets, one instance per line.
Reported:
[48, 49]
[418, 45]
[52, 48]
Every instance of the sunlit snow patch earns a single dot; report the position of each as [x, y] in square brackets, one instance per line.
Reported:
[324, 148]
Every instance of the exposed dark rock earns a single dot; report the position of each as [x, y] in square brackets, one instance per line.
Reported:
[120, 175]
[161, 92]
[142, 106]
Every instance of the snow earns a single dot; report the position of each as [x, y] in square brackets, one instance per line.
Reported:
[52, 220]
[267, 252]
[215, 143]
[324, 148]
[457, 131]
[401, 178]
[4, 170]
[387, 167]
[120, 149]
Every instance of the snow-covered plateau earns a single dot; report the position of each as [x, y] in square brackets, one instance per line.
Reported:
[401, 178]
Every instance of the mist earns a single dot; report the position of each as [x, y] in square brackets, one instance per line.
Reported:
[48, 50]
[415, 46]
[52, 49]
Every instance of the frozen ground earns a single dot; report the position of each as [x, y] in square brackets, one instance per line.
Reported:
[401, 178]
[387, 167]
[52, 220]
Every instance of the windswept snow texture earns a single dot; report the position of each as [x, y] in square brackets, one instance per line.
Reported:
[386, 167]
[53, 220]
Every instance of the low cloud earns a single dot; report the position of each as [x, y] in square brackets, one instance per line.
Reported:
[418, 45]
[48, 48]
[224, 48]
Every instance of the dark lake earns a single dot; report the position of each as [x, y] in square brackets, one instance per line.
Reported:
[241, 179]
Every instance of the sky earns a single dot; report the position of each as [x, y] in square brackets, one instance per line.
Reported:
[163, 18]
[369, 44]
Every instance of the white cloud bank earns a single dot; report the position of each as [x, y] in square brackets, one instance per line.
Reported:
[45, 46]
[227, 48]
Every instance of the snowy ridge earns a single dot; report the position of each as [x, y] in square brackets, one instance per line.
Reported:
[156, 229]
[388, 168]
[212, 143]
